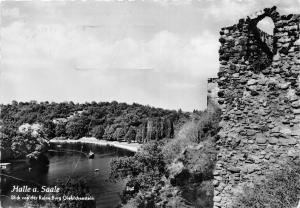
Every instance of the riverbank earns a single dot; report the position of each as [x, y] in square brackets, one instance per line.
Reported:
[133, 147]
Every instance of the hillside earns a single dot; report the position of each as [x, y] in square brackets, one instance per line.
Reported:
[173, 172]
[110, 121]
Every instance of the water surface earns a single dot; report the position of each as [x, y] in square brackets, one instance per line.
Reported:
[68, 163]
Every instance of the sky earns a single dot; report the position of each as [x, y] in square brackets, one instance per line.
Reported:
[157, 53]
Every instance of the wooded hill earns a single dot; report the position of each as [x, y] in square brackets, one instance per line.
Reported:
[103, 120]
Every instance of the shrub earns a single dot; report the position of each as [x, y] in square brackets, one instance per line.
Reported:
[184, 138]
[149, 159]
[281, 189]
[75, 187]
[143, 170]
[204, 127]
[199, 195]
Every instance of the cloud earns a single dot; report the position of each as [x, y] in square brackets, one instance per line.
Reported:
[11, 12]
[227, 12]
[59, 63]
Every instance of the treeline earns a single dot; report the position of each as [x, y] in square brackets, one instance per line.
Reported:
[103, 120]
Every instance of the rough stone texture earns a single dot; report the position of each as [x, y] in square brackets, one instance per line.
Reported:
[259, 92]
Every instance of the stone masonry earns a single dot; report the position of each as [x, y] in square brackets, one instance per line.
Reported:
[259, 92]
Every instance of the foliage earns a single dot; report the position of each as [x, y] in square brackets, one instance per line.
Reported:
[144, 169]
[20, 142]
[204, 126]
[98, 131]
[25, 143]
[49, 129]
[74, 187]
[279, 190]
[119, 133]
[200, 195]
[130, 135]
[60, 130]
[79, 120]
[5, 147]
[149, 159]
[208, 124]
[161, 195]
[147, 171]
[77, 127]
[191, 154]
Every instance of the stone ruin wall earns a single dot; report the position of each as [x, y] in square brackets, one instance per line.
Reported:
[259, 92]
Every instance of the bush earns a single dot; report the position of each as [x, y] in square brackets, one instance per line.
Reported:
[149, 159]
[280, 190]
[143, 170]
[200, 196]
[204, 127]
[185, 137]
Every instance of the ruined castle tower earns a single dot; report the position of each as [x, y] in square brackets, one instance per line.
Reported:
[259, 91]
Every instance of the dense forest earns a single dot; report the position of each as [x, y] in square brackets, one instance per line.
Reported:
[104, 120]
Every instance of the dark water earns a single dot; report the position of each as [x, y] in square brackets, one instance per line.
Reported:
[63, 164]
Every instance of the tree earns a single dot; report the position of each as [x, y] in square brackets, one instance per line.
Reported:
[77, 127]
[25, 143]
[119, 133]
[98, 131]
[80, 119]
[130, 135]
[141, 133]
[108, 133]
[49, 129]
[144, 169]
[5, 144]
[60, 130]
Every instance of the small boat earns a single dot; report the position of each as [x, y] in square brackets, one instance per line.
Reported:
[96, 170]
[91, 155]
[5, 166]
[59, 145]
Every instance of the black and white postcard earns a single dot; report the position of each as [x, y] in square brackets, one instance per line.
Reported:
[150, 103]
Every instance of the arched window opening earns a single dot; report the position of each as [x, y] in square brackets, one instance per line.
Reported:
[265, 29]
[262, 29]
[266, 25]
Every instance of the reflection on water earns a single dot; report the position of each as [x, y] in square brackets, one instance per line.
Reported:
[72, 163]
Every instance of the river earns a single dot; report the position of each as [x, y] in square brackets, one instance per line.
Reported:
[68, 163]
